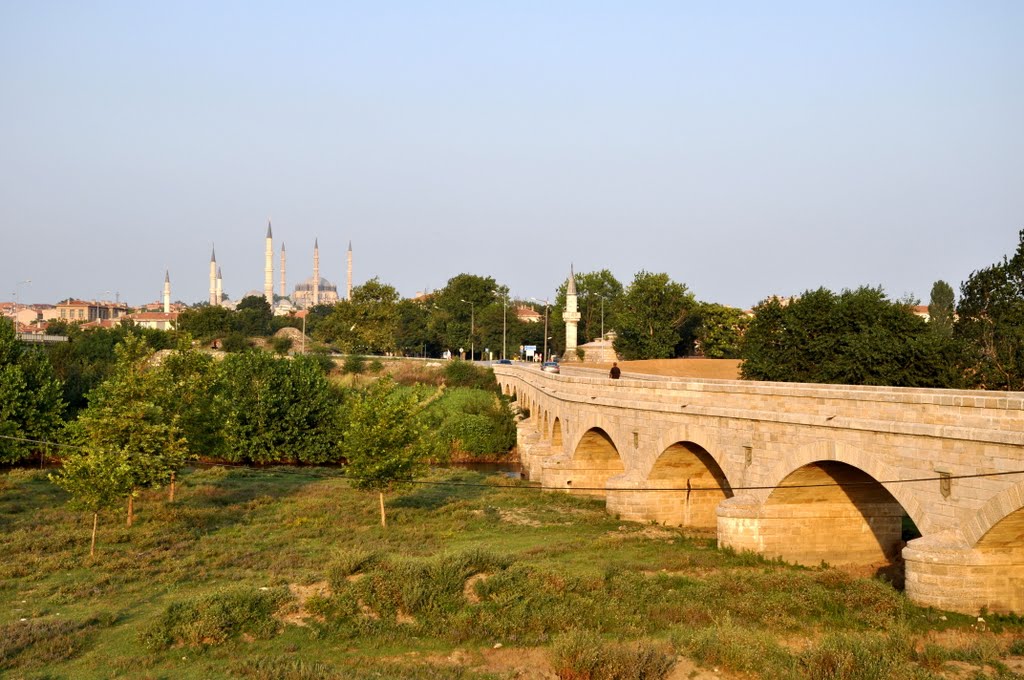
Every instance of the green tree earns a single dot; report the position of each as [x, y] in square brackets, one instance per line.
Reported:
[278, 410]
[30, 397]
[857, 337]
[207, 322]
[368, 323]
[714, 331]
[97, 479]
[88, 358]
[385, 441]
[412, 336]
[192, 395]
[253, 316]
[990, 323]
[126, 419]
[650, 315]
[456, 309]
[941, 308]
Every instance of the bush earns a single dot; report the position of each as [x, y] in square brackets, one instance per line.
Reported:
[472, 421]
[584, 655]
[852, 656]
[281, 343]
[354, 364]
[235, 342]
[214, 619]
[376, 366]
[458, 373]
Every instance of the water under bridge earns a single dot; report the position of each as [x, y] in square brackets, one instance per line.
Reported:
[808, 473]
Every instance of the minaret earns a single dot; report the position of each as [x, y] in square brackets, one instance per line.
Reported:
[348, 286]
[316, 271]
[571, 317]
[220, 286]
[284, 292]
[268, 269]
[167, 292]
[214, 299]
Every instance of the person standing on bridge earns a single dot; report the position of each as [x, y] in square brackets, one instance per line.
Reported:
[615, 372]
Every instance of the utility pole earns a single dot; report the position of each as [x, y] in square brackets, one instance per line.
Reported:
[546, 305]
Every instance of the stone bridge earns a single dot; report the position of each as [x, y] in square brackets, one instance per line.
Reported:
[807, 473]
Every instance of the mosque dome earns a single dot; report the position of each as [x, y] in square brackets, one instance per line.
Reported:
[307, 286]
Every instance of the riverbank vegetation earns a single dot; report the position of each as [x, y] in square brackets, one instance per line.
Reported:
[285, 572]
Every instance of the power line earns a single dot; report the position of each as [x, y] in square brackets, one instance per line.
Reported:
[687, 488]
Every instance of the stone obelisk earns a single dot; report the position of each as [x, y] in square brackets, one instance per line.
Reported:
[571, 317]
[268, 269]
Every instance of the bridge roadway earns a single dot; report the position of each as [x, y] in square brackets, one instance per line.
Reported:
[807, 473]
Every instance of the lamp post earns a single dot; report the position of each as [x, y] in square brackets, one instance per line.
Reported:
[472, 328]
[546, 304]
[16, 286]
[504, 325]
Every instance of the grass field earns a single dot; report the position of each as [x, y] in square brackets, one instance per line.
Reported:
[286, 573]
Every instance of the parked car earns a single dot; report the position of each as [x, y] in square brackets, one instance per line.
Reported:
[503, 361]
[550, 367]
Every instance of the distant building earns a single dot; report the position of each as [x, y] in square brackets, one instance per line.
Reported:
[85, 311]
[528, 314]
[161, 321]
[921, 311]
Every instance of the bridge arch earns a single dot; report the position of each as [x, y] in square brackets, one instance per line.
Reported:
[1002, 514]
[695, 485]
[823, 450]
[556, 434]
[594, 459]
[832, 511]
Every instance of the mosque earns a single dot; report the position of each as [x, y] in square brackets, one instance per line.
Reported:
[315, 290]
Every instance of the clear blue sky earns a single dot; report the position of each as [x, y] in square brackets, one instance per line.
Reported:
[745, 148]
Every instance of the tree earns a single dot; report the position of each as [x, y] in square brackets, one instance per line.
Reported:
[714, 331]
[385, 441]
[192, 397]
[97, 479]
[253, 316]
[457, 307]
[278, 410]
[857, 337]
[368, 323]
[650, 315]
[30, 397]
[126, 419]
[990, 323]
[412, 336]
[941, 307]
[206, 322]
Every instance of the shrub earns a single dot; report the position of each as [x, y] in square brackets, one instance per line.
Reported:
[856, 656]
[281, 343]
[235, 342]
[215, 618]
[583, 655]
[376, 366]
[458, 373]
[354, 364]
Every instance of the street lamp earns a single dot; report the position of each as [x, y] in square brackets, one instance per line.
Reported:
[16, 286]
[546, 304]
[472, 328]
[504, 326]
